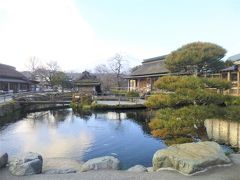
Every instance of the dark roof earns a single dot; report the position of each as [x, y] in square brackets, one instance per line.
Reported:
[154, 59]
[87, 76]
[7, 71]
[235, 57]
[87, 79]
[151, 66]
[232, 68]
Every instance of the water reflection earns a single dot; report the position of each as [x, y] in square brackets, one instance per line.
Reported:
[61, 133]
[223, 131]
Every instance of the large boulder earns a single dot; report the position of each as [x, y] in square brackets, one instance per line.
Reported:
[26, 164]
[105, 162]
[3, 160]
[137, 168]
[190, 158]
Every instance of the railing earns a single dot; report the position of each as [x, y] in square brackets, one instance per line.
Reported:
[50, 96]
[5, 98]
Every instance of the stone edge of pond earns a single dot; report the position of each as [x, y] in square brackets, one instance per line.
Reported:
[235, 160]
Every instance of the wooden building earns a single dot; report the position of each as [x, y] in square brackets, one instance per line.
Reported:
[144, 76]
[233, 74]
[11, 80]
[87, 83]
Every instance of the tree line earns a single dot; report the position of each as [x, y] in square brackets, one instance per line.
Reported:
[50, 74]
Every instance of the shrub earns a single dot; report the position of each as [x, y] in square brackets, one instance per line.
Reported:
[172, 83]
[132, 94]
[217, 83]
[159, 101]
[163, 133]
[119, 92]
[179, 140]
[172, 123]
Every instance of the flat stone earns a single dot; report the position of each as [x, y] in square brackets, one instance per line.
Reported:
[101, 163]
[3, 160]
[60, 171]
[61, 164]
[190, 158]
[26, 164]
[137, 168]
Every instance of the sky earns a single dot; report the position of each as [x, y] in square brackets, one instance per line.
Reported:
[81, 34]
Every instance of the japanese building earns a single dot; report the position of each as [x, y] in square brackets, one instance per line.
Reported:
[87, 83]
[233, 74]
[12, 81]
[144, 76]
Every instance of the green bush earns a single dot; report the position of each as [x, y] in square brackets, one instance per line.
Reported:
[132, 94]
[217, 83]
[189, 90]
[119, 92]
[172, 83]
[179, 140]
[170, 123]
[233, 100]
[158, 101]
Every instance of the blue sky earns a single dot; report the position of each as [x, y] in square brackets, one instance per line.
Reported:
[165, 25]
[81, 34]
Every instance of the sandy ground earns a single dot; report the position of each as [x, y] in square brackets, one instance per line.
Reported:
[218, 173]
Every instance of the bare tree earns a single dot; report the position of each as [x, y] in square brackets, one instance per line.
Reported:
[47, 72]
[106, 77]
[118, 65]
[101, 69]
[32, 65]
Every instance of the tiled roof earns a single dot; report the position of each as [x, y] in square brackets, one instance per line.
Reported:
[7, 71]
[235, 57]
[151, 66]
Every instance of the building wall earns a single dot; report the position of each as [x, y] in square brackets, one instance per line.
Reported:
[143, 85]
[13, 87]
[234, 77]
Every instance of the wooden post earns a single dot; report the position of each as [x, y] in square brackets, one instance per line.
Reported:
[151, 81]
[238, 135]
[238, 83]
[229, 79]
[228, 134]
[8, 87]
[138, 84]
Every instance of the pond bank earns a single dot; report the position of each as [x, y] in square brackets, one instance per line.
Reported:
[221, 173]
[12, 108]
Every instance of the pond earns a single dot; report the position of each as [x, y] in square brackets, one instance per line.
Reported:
[62, 133]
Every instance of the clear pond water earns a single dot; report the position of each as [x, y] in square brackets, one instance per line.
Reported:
[62, 133]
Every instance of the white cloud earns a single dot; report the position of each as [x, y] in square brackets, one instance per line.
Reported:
[50, 30]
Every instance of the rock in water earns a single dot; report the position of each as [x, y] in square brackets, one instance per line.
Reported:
[27, 164]
[3, 160]
[137, 168]
[105, 162]
[190, 158]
